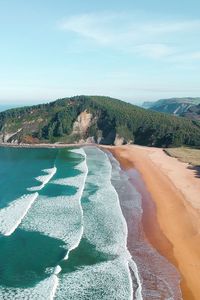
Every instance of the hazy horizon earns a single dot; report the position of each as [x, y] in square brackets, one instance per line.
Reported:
[15, 104]
[132, 51]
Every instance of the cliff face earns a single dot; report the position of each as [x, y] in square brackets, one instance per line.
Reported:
[11, 137]
[82, 124]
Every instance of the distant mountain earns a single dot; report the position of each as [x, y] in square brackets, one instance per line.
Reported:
[4, 107]
[147, 104]
[96, 119]
[175, 106]
[193, 112]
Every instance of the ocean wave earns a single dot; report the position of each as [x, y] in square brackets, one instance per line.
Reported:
[46, 289]
[104, 225]
[12, 216]
[78, 151]
[103, 207]
[106, 280]
[59, 217]
[44, 179]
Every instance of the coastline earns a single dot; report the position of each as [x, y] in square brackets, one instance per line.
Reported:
[43, 145]
[171, 208]
[174, 189]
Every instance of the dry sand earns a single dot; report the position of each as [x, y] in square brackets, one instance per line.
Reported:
[175, 189]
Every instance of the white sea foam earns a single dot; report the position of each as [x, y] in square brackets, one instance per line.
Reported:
[105, 280]
[57, 270]
[105, 228]
[44, 179]
[12, 216]
[105, 225]
[46, 289]
[78, 151]
[59, 217]
[134, 268]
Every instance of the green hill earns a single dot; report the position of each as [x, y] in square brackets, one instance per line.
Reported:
[96, 119]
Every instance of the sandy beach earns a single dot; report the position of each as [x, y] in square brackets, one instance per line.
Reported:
[173, 229]
[171, 206]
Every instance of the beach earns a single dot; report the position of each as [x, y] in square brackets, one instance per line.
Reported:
[163, 230]
[173, 226]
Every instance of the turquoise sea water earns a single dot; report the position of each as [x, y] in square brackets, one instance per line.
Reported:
[62, 232]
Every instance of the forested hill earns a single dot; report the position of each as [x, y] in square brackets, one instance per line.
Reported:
[96, 119]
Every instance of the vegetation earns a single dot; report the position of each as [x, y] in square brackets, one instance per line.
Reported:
[53, 122]
[193, 113]
[176, 106]
[188, 155]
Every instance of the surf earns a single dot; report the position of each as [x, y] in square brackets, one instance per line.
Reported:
[44, 179]
[105, 232]
[12, 215]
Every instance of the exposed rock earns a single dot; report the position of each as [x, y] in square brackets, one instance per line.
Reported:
[8, 137]
[82, 123]
[119, 140]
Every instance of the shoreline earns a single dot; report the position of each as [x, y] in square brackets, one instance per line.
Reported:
[171, 208]
[9, 145]
[133, 196]
[174, 191]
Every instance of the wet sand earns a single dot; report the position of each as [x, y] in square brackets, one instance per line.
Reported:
[172, 224]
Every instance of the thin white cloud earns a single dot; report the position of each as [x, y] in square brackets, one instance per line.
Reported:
[187, 57]
[125, 32]
[91, 26]
[155, 51]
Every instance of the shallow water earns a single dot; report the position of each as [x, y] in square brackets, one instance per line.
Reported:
[63, 234]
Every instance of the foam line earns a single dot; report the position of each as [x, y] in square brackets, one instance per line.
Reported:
[109, 214]
[59, 217]
[134, 268]
[12, 216]
[46, 289]
[44, 179]
[78, 151]
[75, 245]
[85, 167]
[57, 270]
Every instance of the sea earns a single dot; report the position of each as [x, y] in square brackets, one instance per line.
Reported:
[63, 231]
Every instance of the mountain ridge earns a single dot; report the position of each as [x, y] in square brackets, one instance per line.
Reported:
[175, 106]
[98, 119]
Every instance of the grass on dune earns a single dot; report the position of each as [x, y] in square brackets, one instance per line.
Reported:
[184, 154]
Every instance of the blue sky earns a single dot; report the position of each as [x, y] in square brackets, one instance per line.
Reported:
[132, 50]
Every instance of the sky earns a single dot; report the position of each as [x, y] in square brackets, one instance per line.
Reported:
[132, 50]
